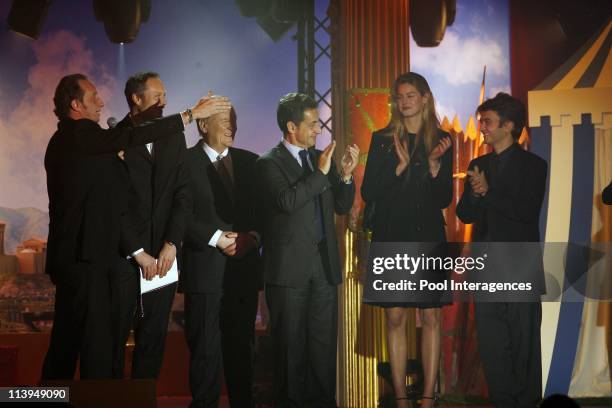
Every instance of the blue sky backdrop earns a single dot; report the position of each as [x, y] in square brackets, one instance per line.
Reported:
[478, 37]
[197, 45]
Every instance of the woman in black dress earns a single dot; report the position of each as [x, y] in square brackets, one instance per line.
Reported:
[409, 178]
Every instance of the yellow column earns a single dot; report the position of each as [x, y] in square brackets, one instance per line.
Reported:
[370, 48]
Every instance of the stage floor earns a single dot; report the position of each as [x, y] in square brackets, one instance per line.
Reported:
[183, 402]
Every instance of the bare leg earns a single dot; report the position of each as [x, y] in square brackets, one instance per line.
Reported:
[430, 351]
[398, 351]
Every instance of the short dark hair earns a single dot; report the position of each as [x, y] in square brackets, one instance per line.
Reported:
[137, 84]
[67, 90]
[509, 109]
[291, 108]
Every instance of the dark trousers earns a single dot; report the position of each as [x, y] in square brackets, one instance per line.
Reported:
[304, 323]
[203, 335]
[509, 345]
[238, 314]
[150, 321]
[124, 297]
[81, 325]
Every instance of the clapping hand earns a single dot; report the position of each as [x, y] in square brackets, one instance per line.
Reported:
[401, 150]
[325, 158]
[436, 153]
[349, 161]
[478, 182]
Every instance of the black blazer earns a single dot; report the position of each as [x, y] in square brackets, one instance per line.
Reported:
[606, 195]
[420, 197]
[288, 216]
[159, 193]
[511, 208]
[206, 269]
[87, 187]
[509, 212]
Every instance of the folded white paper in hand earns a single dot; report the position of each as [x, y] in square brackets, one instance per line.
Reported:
[157, 282]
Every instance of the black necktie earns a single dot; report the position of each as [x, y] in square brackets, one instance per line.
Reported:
[305, 165]
[225, 177]
[317, 200]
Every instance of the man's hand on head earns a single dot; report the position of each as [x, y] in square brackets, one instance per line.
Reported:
[210, 105]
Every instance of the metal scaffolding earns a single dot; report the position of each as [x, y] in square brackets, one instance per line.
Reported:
[314, 53]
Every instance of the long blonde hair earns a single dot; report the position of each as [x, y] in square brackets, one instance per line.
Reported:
[428, 133]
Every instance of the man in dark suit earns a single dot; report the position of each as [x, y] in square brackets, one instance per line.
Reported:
[83, 172]
[300, 189]
[159, 203]
[221, 274]
[503, 196]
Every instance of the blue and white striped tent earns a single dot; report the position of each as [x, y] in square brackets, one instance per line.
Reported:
[570, 115]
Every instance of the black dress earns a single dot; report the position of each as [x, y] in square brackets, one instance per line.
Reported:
[408, 207]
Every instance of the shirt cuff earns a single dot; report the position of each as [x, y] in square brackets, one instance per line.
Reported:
[136, 252]
[215, 238]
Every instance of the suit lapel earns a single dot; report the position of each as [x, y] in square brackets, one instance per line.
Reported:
[216, 184]
[203, 160]
[144, 152]
[288, 162]
[140, 150]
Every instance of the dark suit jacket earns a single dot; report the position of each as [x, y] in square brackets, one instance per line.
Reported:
[288, 216]
[509, 212]
[414, 194]
[87, 187]
[206, 269]
[606, 195]
[511, 208]
[159, 195]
